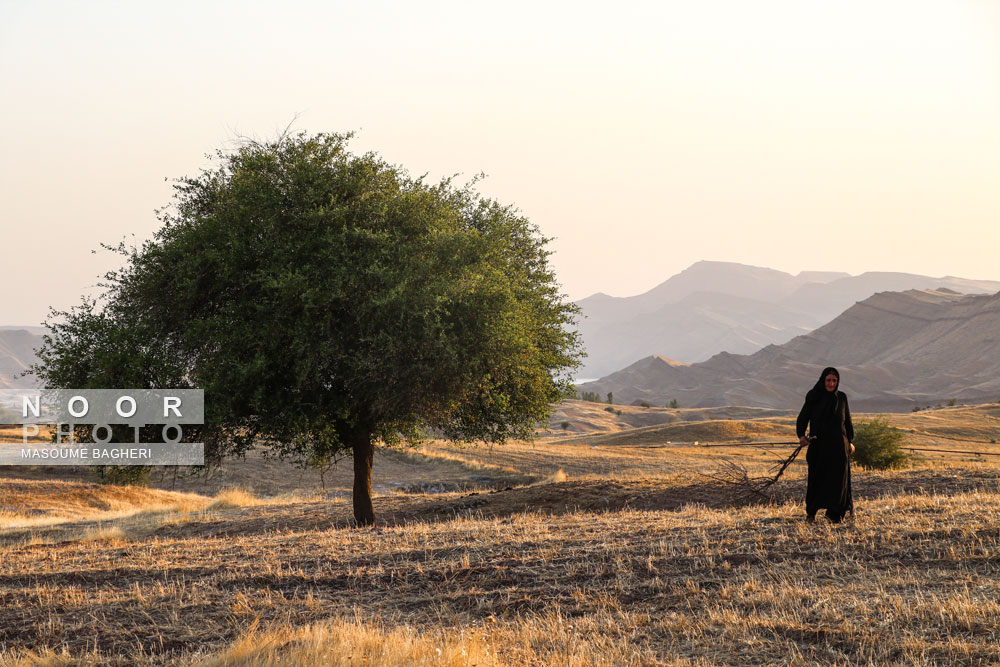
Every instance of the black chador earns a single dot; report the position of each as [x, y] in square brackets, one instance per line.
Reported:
[830, 431]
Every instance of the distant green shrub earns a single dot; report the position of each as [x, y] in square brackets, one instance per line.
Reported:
[645, 404]
[565, 425]
[673, 404]
[878, 444]
[951, 402]
[609, 409]
[123, 475]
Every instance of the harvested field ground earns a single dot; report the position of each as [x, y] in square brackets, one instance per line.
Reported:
[612, 548]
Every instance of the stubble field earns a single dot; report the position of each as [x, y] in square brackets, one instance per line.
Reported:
[600, 543]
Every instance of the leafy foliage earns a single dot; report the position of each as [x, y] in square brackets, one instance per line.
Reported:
[878, 444]
[89, 348]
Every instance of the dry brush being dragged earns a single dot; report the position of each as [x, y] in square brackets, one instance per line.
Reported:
[736, 483]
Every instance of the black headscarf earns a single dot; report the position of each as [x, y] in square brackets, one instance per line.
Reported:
[827, 402]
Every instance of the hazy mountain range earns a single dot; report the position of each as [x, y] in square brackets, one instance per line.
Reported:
[761, 335]
[895, 350]
[712, 307]
[17, 352]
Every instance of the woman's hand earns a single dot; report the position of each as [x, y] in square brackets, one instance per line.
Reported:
[803, 441]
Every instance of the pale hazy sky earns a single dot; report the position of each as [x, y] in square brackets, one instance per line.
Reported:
[839, 135]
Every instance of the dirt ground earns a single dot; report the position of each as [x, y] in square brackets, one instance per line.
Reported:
[616, 547]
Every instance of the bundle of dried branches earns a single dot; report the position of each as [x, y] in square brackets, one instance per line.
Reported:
[744, 489]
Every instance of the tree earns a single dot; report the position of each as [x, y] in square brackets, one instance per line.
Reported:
[611, 398]
[94, 349]
[326, 301]
[878, 444]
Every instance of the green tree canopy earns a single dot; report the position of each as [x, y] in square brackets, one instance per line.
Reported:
[325, 301]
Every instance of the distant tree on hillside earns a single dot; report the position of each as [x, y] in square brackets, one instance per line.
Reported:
[326, 301]
[611, 398]
[673, 403]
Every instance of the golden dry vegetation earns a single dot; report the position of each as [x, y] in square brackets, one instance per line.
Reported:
[612, 548]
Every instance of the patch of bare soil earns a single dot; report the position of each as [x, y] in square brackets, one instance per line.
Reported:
[563, 498]
[269, 476]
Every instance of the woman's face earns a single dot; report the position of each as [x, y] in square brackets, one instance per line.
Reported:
[831, 382]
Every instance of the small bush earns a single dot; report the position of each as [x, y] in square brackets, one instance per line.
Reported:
[878, 444]
[673, 404]
[645, 404]
[123, 475]
[565, 425]
[609, 409]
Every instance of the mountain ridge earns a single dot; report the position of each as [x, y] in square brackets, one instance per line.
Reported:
[897, 350]
[617, 331]
[17, 353]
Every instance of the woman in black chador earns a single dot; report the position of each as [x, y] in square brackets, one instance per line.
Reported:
[830, 436]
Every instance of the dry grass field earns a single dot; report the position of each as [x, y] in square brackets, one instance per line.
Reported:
[606, 545]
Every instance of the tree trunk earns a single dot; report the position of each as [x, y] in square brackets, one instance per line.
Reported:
[364, 454]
